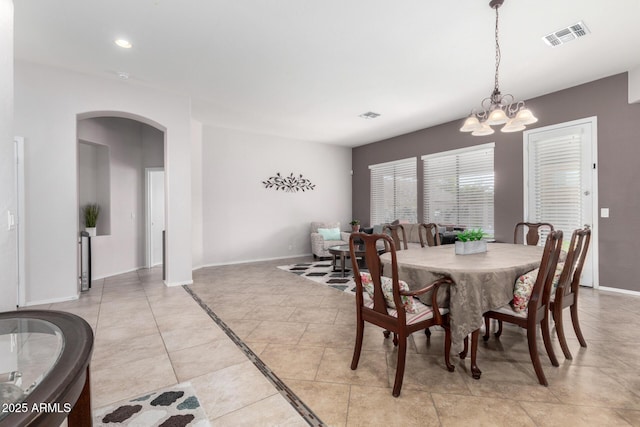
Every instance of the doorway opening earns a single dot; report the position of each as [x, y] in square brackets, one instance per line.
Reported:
[117, 152]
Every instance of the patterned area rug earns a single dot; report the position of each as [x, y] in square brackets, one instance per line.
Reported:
[175, 406]
[322, 272]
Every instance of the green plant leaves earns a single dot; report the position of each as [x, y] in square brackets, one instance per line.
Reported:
[471, 235]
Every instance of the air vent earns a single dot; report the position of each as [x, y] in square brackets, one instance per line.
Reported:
[369, 115]
[566, 35]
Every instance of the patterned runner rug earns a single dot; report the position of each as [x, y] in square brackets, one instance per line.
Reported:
[322, 272]
[175, 406]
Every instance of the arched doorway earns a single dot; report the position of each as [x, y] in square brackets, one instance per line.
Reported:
[115, 152]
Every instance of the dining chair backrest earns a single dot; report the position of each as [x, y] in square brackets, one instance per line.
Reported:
[574, 263]
[372, 243]
[429, 235]
[398, 234]
[534, 231]
[540, 295]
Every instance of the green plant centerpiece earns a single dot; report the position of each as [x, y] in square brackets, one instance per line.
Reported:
[471, 235]
[470, 242]
[355, 224]
[91, 213]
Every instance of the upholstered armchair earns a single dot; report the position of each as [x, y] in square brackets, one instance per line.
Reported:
[324, 235]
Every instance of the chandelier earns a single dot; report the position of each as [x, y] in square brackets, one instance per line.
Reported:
[498, 109]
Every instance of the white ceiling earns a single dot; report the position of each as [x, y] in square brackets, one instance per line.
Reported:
[306, 70]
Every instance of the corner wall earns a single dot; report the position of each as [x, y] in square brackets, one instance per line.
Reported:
[618, 172]
[242, 220]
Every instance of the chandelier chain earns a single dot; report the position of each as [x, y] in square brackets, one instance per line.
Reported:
[497, 85]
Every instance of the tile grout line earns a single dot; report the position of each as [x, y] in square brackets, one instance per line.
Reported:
[305, 412]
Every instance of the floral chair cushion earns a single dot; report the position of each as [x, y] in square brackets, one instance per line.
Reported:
[387, 290]
[524, 286]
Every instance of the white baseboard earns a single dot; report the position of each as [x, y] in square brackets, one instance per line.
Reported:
[170, 284]
[618, 290]
[118, 273]
[51, 301]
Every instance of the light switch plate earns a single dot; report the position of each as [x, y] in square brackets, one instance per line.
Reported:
[604, 212]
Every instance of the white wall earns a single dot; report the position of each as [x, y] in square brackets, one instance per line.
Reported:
[47, 102]
[242, 220]
[8, 251]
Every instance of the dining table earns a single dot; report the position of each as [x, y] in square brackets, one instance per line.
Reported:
[482, 282]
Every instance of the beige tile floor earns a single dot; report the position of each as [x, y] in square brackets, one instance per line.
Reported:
[149, 336]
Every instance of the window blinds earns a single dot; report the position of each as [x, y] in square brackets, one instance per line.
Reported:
[555, 181]
[459, 187]
[394, 191]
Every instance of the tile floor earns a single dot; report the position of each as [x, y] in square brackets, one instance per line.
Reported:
[149, 336]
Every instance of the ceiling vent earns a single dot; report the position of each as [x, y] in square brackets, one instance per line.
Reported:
[369, 115]
[566, 35]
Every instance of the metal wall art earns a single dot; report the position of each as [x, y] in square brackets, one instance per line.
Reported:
[290, 184]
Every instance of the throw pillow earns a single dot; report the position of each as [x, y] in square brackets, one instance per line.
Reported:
[522, 290]
[330, 233]
[387, 291]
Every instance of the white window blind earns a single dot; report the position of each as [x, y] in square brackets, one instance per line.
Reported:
[555, 181]
[394, 191]
[459, 187]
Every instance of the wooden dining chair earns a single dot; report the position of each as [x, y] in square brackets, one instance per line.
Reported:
[388, 303]
[429, 235]
[537, 310]
[534, 231]
[566, 294]
[398, 234]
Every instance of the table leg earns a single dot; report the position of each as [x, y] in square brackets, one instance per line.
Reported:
[475, 371]
[342, 260]
[80, 415]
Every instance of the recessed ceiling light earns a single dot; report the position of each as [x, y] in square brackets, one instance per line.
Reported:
[123, 75]
[124, 43]
[369, 115]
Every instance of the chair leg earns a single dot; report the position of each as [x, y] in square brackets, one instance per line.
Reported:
[358, 347]
[395, 339]
[427, 332]
[475, 371]
[465, 350]
[557, 317]
[546, 337]
[487, 328]
[576, 324]
[402, 354]
[499, 331]
[447, 348]
[535, 358]
[386, 334]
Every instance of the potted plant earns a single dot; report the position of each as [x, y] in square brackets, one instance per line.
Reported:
[470, 242]
[355, 225]
[91, 212]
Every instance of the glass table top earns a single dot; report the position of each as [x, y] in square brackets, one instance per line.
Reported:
[29, 349]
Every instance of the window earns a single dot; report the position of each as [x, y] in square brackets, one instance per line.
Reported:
[394, 192]
[459, 187]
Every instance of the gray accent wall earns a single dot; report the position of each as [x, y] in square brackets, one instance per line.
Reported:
[617, 158]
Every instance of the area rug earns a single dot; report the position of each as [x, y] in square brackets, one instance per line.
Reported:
[322, 272]
[175, 406]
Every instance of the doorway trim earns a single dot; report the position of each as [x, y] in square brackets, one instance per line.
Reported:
[595, 213]
[149, 215]
[21, 299]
